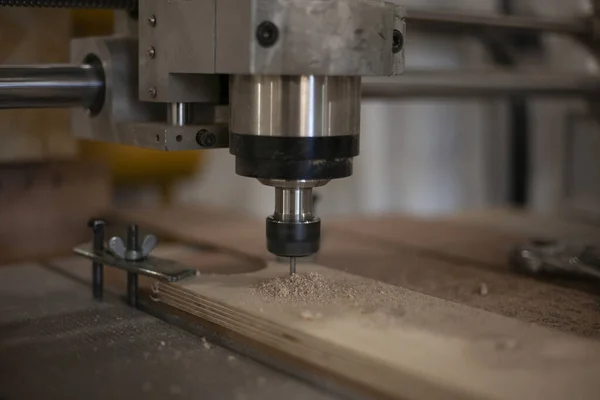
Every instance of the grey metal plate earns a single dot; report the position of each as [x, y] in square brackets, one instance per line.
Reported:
[56, 342]
[153, 267]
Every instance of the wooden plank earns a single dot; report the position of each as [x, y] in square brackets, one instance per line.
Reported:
[560, 226]
[569, 306]
[467, 238]
[397, 342]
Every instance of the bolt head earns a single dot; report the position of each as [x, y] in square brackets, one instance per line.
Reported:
[267, 34]
[152, 20]
[96, 223]
[205, 138]
[152, 92]
[151, 52]
[397, 41]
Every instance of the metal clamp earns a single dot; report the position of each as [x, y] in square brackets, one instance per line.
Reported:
[132, 252]
[550, 257]
[132, 258]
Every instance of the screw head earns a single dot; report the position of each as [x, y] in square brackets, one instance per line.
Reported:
[95, 223]
[205, 139]
[267, 34]
[397, 41]
[152, 92]
[152, 20]
[151, 52]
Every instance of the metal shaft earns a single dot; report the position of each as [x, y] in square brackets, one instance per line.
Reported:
[454, 84]
[97, 280]
[460, 22]
[49, 86]
[132, 289]
[129, 5]
[98, 268]
[132, 237]
[293, 204]
[179, 114]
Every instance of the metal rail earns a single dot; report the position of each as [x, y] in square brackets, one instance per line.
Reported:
[129, 5]
[477, 84]
[59, 86]
[454, 21]
[49, 86]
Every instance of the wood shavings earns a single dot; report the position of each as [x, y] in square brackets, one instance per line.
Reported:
[205, 344]
[314, 288]
[310, 315]
[483, 289]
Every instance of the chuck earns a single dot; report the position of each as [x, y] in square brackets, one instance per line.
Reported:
[294, 133]
[293, 230]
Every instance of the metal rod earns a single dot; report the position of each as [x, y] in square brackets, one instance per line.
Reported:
[97, 280]
[476, 84]
[110, 4]
[49, 86]
[292, 265]
[132, 237]
[132, 289]
[453, 21]
[179, 114]
[98, 268]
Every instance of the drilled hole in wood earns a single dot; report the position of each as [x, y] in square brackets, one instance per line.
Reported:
[208, 260]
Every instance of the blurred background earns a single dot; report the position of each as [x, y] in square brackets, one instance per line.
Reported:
[418, 156]
[441, 157]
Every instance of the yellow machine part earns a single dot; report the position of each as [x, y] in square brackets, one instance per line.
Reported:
[131, 165]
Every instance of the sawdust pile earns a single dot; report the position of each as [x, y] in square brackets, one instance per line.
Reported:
[316, 288]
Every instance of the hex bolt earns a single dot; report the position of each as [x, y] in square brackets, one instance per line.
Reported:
[132, 289]
[132, 237]
[205, 139]
[132, 277]
[151, 52]
[152, 20]
[97, 226]
[267, 34]
[152, 92]
[397, 41]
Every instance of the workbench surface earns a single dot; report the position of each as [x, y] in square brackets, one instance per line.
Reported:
[56, 342]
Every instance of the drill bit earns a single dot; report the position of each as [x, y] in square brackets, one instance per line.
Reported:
[292, 265]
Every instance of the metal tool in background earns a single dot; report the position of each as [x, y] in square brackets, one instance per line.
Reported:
[128, 255]
[555, 258]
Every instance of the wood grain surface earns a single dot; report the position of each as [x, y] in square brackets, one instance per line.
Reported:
[408, 345]
[462, 256]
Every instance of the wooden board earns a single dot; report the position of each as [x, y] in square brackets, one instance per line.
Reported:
[404, 345]
[480, 238]
[402, 254]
